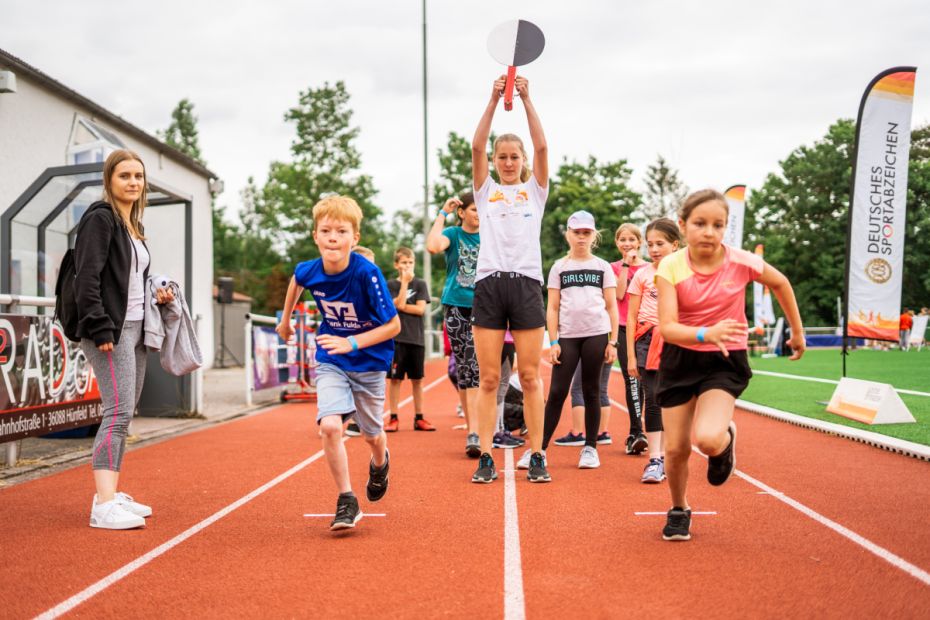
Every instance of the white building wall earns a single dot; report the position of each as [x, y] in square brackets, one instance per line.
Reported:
[35, 126]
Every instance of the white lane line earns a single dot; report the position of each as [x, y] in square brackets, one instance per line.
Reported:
[141, 561]
[890, 557]
[782, 375]
[330, 514]
[128, 569]
[653, 514]
[514, 604]
[618, 405]
[868, 545]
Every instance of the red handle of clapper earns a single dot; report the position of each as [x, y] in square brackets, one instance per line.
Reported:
[508, 88]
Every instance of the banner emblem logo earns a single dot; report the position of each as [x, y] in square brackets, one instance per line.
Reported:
[878, 270]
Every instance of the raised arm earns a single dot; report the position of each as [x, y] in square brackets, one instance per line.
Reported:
[479, 144]
[540, 148]
[437, 242]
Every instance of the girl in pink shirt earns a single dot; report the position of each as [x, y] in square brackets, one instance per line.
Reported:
[662, 239]
[629, 240]
[704, 368]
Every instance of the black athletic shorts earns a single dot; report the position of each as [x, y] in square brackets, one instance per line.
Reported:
[408, 361]
[511, 300]
[684, 373]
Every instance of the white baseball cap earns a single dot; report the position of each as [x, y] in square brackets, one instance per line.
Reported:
[581, 220]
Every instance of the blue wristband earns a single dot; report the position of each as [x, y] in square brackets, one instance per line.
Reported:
[353, 342]
[700, 334]
[552, 343]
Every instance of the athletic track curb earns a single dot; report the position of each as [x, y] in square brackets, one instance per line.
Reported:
[899, 446]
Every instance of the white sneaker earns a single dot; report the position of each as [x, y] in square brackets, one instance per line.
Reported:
[524, 462]
[140, 510]
[113, 515]
[589, 458]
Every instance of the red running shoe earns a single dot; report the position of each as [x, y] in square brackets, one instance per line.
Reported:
[422, 425]
[391, 424]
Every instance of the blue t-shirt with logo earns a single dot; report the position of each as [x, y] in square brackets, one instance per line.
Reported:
[461, 265]
[353, 301]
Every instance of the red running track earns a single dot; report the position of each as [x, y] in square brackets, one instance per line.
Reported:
[440, 549]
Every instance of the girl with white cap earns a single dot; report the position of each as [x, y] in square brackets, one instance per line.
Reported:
[582, 320]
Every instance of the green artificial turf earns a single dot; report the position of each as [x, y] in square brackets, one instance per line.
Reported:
[903, 369]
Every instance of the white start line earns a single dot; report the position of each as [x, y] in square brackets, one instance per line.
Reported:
[656, 514]
[123, 572]
[331, 515]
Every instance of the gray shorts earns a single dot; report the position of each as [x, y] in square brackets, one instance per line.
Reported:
[347, 394]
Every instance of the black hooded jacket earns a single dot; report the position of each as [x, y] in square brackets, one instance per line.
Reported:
[103, 255]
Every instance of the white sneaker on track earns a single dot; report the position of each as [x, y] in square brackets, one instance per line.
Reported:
[589, 458]
[140, 510]
[113, 515]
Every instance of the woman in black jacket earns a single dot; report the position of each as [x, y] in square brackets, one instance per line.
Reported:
[111, 266]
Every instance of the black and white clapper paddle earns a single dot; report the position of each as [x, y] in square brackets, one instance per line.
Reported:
[515, 43]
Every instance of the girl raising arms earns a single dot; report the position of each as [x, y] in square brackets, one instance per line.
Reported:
[704, 368]
[508, 282]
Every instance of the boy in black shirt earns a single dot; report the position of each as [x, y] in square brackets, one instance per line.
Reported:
[411, 296]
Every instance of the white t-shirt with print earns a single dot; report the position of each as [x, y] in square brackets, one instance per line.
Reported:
[581, 285]
[511, 222]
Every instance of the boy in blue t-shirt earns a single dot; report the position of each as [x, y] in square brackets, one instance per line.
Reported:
[354, 346]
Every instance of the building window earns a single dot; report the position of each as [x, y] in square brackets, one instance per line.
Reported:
[90, 143]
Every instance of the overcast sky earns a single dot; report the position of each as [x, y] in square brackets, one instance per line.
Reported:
[723, 89]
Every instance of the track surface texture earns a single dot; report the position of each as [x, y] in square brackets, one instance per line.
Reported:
[448, 548]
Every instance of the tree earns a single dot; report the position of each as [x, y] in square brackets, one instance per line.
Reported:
[324, 161]
[801, 215]
[664, 192]
[602, 189]
[247, 254]
[455, 168]
[182, 132]
[916, 277]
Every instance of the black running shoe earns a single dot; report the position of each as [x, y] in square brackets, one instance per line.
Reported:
[347, 513]
[638, 445]
[352, 430]
[537, 471]
[721, 466]
[378, 478]
[677, 525]
[486, 472]
[507, 441]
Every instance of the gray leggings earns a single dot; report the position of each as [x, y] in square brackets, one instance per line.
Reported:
[120, 375]
[578, 396]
